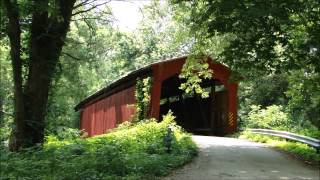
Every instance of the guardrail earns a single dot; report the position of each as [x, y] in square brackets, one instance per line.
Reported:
[315, 143]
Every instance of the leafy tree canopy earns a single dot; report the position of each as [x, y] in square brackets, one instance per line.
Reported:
[267, 35]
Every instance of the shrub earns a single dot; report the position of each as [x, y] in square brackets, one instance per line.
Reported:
[132, 151]
[274, 118]
[270, 118]
[68, 133]
[308, 130]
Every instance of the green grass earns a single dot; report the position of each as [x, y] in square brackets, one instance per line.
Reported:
[129, 152]
[299, 149]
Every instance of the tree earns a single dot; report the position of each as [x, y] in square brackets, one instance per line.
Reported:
[37, 31]
[304, 94]
[269, 36]
[48, 28]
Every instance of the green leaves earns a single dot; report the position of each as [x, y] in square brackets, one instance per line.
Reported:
[143, 97]
[258, 27]
[129, 152]
[270, 118]
[304, 94]
[194, 70]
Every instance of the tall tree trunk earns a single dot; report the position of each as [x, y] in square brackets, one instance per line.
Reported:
[47, 35]
[46, 42]
[14, 32]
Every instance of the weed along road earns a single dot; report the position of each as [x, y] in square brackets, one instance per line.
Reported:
[237, 159]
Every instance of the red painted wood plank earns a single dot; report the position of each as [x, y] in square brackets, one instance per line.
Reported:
[105, 114]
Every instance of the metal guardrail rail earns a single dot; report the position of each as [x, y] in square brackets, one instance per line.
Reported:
[313, 142]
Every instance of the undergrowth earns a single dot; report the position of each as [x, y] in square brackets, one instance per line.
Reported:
[301, 150]
[131, 151]
[274, 117]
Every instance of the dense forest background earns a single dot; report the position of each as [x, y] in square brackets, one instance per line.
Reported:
[273, 47]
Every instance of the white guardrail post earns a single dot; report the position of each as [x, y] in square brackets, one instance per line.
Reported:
[313, 142]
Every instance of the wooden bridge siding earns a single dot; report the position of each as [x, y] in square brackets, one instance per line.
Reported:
[106, 113]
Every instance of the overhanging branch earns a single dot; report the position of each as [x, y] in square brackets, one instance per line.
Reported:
[82, 3]
[90, 8]
[71, 56]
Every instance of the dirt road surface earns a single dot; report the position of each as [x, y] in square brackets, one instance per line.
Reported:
[223, 158]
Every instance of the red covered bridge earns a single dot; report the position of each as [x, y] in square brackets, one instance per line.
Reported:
[114, 104]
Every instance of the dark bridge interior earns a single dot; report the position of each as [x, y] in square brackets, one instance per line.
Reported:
[206, 116]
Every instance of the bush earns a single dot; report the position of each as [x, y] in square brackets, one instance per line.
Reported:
[273, 117]
[132, 151]
[68, 133]
[308, 130]
[270, 118]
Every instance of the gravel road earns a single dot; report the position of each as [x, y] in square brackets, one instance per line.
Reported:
[223, 158]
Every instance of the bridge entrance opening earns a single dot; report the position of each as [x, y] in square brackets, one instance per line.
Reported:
[206, 116]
